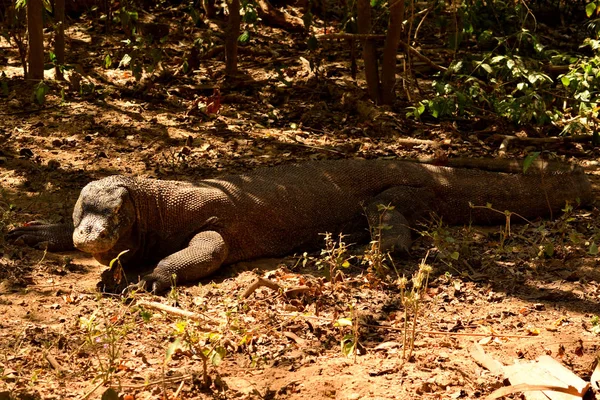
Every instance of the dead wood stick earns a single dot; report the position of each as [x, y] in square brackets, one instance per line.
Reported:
[566, 139]
[54, 363]
[294, 337]
[507, 139]
[260, 281]
[176, 394]
[524, 387]
[173, 379]
[417, 142]
[174, 311]
[88, 394]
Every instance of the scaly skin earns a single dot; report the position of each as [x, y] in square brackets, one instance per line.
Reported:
[190, 230]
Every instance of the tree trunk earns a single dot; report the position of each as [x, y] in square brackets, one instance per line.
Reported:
[369, 49]
[36, 39]
[390, 50]
[231, 41]
[59, 41]
[209, 8]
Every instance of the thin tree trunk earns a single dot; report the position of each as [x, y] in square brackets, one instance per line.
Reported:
[390, 50]
[59, 44]
[369, 49]
[231, 41]
[36, 39]
[209, 8]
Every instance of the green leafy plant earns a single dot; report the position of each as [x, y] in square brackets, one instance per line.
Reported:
[411, 300]
[334, 257]
[374, 257]
[104, 336]
[349, 343]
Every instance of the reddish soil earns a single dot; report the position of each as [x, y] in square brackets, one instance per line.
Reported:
[60, 338]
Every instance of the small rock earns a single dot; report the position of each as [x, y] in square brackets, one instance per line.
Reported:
[26, 153]
[53, 165]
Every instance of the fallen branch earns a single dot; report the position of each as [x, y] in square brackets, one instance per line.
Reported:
[174, 311]
[524, 387]
[507, 139]
[294, 337]
[260, 281]
[418, 142]
[54, 363]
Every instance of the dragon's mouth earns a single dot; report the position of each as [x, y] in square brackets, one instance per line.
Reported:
[94, 237]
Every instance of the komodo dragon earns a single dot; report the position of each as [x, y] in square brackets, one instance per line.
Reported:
[190, 230]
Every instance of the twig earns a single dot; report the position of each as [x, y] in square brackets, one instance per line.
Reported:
[418, 142]
[176, 394]
[294, 337]
[54, 363]
[174, 310]
[88, 394]
[157, 382]
[260, 281]
[524, 387]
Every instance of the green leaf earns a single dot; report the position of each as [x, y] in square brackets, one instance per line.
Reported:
[114, 260]
[487, 68]
[40, 93]
[589, 9]
[531, 157]
[343, 322]
[348, 345]
[107, 61]
[146, 315]
[125, 61]
[217, 355]
[593, 250]
[244, 37]
[565, 81]
[454, 256]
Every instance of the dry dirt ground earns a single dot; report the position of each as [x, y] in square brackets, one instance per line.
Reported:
[532, 293]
